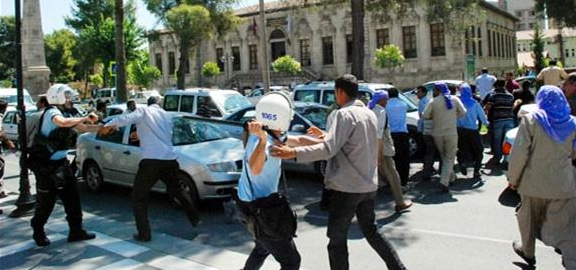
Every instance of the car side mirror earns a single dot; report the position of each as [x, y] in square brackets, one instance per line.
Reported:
[298, 128]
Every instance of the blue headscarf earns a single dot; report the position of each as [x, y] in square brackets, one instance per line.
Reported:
[446, 93]
[377, 97]
[554, 113]
[466, 95]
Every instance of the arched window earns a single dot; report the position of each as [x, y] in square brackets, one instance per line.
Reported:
[277, 34]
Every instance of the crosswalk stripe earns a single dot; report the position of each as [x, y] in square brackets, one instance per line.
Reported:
[126, 264]
[118, 246]
[170, 262]
[22, 246]
[8, 198]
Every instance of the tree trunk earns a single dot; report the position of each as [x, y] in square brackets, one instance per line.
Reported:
[358, 38]
[561, 46]
[181, 74]
[122, 95]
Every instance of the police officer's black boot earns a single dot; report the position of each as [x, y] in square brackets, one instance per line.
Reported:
[39, 237]
[76, 231]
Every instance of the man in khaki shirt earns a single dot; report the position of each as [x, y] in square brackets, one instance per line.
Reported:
[351, 148]
[552, 75]
[445, 109]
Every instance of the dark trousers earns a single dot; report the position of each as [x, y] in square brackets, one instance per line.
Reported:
[47, 190]
[470, 147]
[429, 155]
[343, 207]
[402, 156]
[284, 251]
[499, 129]
[149, 172]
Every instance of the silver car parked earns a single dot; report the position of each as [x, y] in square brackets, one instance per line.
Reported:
[210, 161]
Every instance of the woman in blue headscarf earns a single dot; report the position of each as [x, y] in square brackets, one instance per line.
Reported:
[541, 170]
[444, 110]
[469, 139]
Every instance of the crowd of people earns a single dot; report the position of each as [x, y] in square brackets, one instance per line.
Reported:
[366, 147]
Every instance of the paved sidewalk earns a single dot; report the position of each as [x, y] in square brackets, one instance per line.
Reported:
[113, 247]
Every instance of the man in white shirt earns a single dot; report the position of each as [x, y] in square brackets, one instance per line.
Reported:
[485, 83]
[552, 75]
[158, 162]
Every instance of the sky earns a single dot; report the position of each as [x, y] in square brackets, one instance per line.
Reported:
[54, 11]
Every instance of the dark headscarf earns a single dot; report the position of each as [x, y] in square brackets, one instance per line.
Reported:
[446, 93]
[554, 113]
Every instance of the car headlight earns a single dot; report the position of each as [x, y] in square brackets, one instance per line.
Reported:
[223, 167]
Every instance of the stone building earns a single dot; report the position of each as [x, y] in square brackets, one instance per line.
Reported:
[552, 46]
[320, 38]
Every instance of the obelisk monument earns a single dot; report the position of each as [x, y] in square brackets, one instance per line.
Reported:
[36, 73]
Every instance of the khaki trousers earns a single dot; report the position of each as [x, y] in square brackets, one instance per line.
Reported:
[387, 170]
[447, 147]
[554, 221]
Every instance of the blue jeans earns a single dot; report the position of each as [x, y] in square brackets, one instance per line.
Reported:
[499, 129]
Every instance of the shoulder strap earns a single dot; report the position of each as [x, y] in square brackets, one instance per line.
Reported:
[42, 118]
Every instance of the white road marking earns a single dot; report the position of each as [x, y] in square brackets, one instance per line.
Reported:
[126, 264]
[9, 198]
[118, 246]
[175, 263]
[26, 245]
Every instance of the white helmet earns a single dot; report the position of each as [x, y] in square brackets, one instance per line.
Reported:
[275, 110]
[56, 94]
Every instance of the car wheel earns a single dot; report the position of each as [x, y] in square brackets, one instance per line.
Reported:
[93, 176]
[414, 144]
[188, 185]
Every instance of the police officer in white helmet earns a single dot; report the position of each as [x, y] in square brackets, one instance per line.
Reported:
[261, 175]
[48, 161]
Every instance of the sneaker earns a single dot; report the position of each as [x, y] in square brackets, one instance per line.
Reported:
[407, 204]
[80, 236]
[518, 249]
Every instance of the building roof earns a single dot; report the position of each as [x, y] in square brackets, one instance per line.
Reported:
[282, 5]
[550, 33]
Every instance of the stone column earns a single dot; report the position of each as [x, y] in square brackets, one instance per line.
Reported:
[36, 73]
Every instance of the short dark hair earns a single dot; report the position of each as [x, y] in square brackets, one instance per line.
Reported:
[423, 88]
[100, 105]
[349, 84]
[153, 100]
[509, 74]
[3, 105]
[526, 84]
[500, 83]
[44, 101]
[484, 70]
[571, 78]
[392, 93]
[130, 101]
[553, 62]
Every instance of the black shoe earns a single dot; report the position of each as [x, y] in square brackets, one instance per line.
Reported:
[518, 249]
[80, 236]
[477, 175]
[40, 238]
[444, 188]
[1, 211]
[140, 238]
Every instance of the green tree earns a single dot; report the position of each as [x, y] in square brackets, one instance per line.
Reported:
[210, 69]
[389, 57]
[192, 25]
[7, 49]
[221, 20]
[561, 11]
[287, 64]
[141, 73]
[89, 13]
[538, 49]
[59, 47]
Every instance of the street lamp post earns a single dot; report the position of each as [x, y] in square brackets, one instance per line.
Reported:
[25, 201]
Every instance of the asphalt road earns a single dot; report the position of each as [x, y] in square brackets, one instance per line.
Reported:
[466, 229]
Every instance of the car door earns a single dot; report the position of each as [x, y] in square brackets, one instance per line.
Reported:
[131, 156]
[10, 125]
[108, 149]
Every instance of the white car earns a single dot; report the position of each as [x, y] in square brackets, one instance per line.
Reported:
[511, 134]
[323, 93]
[411, 94]
[258, 93]
[210, 161]
[10, 95]
[212, 103]
[142, 97]
[116, 109]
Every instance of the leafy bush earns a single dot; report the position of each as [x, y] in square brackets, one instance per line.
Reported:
[287, 64]
[210, 69]
[388, 57]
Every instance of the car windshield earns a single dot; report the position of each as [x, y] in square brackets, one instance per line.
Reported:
[105, 93]
[232, 102]
[191, 131]
[316, 115]
[14, 99]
